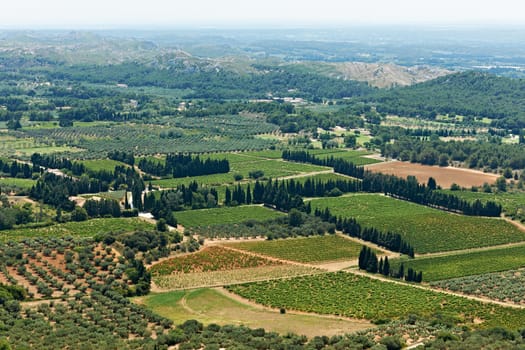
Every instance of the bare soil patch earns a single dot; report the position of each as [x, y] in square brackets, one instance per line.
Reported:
[444, 176]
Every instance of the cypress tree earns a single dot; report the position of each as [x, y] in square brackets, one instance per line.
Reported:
[386, 267]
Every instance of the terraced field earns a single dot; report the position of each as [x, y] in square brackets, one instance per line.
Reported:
[426, 229]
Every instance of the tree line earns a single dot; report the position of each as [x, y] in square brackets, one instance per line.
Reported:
[407, 189]
[474, 154]
[368, 261]
[19, 170]
[389, 240]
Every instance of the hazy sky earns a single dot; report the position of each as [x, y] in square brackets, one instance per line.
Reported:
[126, 13]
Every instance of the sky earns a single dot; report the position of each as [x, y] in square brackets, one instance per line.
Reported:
[278, 13]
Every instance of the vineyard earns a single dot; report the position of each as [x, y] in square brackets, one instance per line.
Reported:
[507, 286]
[474, 263]
[427, 230]
[361, 297]
[221, 278]
[213, 258]
[225, 215]
[311, 250]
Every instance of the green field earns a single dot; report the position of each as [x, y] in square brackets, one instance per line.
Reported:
[426, 229]
[311, 249]
[14, 182]
[349, 295]
[356, 157]
[83, 228]
[513, 203]
[102, 164]
[225, 215]
[475, 263]
[211, 306]
[269, 154]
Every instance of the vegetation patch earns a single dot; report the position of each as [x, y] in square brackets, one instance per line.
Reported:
[311, 249]
[507, 286]
[361, 297]
[426, 229]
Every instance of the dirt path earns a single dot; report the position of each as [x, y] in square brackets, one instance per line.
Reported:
[330, 171]
[517, 224]
[435, 290]
[469, 250]
[374, 246]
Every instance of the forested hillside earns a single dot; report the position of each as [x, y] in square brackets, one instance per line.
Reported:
[471, 94]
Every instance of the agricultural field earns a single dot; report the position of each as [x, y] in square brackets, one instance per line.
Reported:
[72, 272]
[426, 229]
[354, 156]
[212, 134]
[116, 195]
[88, 228]
[459, 265]
[213, 306]
[265, 154]
[314, 249]
[53, 269]
[214, 258]
[322, 177]
[12, 182]
[225, 215]
[102, 164]
[345, 294]
[243, 164]
[444, 176]
[513, 203]
[222, 278]
[507, 286]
